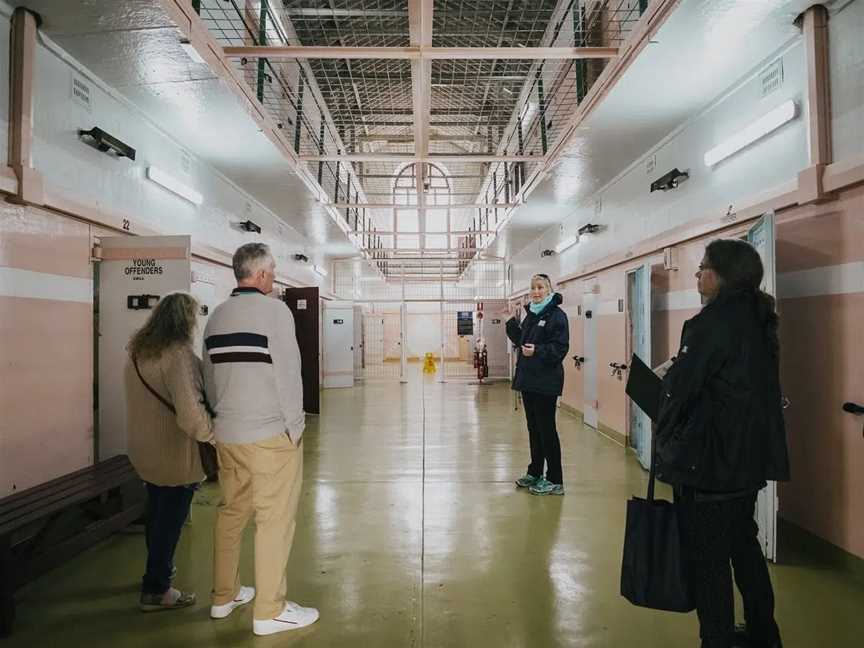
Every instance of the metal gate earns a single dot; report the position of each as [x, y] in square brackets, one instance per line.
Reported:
[388, 296]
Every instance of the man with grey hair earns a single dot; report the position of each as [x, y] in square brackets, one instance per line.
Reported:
[252, 379]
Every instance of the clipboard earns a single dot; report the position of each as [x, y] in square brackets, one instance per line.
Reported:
[644, 387]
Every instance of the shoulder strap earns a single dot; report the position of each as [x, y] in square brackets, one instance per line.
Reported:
[150, 389]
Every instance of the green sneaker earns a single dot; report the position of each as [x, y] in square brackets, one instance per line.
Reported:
[527, 481]
[545, 487]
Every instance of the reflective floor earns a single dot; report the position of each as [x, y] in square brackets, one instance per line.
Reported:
[412, 534]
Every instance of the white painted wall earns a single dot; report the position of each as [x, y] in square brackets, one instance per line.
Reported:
[79, 173]
[846, 43]
[632, 214]
[423, 329]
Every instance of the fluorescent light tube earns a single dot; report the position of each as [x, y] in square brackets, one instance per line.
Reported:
[568, 242]
[760, 128]
[191, 52]
[320, 270]
[174, 186]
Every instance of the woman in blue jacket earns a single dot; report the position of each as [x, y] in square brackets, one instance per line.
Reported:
[542, 340]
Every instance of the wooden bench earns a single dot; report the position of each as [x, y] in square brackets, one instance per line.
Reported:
[47, 524]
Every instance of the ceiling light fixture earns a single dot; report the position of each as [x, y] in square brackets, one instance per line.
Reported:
[191, 52]
[766, 124]
[567, 243]
[173, 185]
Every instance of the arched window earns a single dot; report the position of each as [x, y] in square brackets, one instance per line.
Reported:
[426, 230]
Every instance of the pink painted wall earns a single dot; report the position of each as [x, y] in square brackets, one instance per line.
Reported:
[821, 369]
[46, 352]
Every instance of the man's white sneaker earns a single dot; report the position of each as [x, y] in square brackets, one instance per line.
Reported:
[244, 596]
[293, 616]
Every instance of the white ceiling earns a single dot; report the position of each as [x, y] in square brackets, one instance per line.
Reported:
[133, 46]
[704, 47]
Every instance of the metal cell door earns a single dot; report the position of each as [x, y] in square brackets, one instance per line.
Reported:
[762, 237]
[589, 366]
[639, 315]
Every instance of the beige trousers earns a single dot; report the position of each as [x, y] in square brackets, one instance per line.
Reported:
[264, 478]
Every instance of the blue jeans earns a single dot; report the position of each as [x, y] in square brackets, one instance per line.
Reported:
[168, 508]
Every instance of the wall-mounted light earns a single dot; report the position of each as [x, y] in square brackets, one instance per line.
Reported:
[669, 181]
[588, 228]
[766, 124]
[174, 186]
[102, 141]
[191, 52]
[320, 270]
[567, 243]
[249, 226]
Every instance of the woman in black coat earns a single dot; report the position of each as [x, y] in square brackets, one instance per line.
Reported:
[721, 437]
[542, 340]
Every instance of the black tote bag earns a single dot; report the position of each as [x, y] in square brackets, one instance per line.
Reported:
[652, 569]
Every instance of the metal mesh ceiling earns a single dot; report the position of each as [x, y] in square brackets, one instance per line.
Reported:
[476, 106]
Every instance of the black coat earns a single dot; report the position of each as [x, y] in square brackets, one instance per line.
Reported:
[549, 332]
[720, 426]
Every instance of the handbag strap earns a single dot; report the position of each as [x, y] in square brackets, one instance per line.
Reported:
[652, 473]
[151, 390]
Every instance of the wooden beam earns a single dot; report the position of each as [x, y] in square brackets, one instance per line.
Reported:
[422, 207]
[23, 47]
[274, 52]
[818, 84]
[477, 158]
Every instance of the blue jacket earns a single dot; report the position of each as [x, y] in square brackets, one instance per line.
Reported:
[549, 332]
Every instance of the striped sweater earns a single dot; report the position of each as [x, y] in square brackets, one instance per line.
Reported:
[252, 369]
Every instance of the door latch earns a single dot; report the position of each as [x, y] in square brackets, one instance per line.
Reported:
[618, 370]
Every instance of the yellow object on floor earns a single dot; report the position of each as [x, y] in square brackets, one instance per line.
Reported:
[429, 364]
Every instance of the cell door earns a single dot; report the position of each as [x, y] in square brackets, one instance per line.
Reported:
[134, 273]
[639, 330]
[338, 344]
[303, 303]
[589, 346]
[762, 237]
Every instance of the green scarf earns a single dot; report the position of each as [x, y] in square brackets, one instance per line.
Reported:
[538, 308]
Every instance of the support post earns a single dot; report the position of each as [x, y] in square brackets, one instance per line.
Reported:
[24, 28]
[298, 122]
[542, 102]
[262, 40]
[814, 23]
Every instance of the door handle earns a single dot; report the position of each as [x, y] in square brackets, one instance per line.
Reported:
[853, 408]
[618, 370]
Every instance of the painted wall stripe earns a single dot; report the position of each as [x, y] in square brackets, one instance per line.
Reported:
[608, 307]
[677, 300]
[845, 279]
[15, 282]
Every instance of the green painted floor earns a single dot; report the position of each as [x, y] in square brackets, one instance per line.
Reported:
[412, 534]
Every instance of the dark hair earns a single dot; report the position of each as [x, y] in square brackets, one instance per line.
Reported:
[739, 267]
[171, 322]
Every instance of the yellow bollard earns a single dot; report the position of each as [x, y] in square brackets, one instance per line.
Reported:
[429, 364]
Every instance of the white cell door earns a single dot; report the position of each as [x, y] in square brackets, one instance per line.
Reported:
[589, 349]
[639, 286]
[338, 344]
[762, 237]
[135, 272]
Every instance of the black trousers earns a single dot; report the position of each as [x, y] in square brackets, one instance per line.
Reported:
[168, 508]
[716, 533]
[543, 435]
